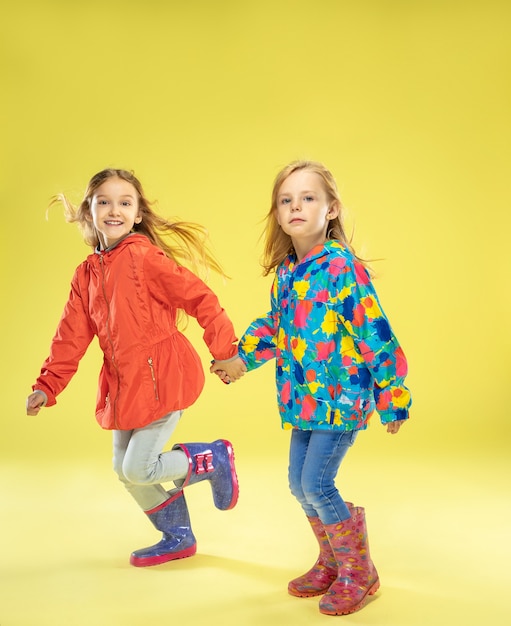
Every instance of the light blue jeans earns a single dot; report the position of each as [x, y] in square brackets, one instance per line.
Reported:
[141, 464]
[314, 460]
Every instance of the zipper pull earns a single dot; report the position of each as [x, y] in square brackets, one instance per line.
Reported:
[150, 361]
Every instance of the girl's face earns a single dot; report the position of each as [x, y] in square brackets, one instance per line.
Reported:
[114, 210]
[304, 211]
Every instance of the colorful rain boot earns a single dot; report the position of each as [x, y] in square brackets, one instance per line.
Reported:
[213, 462]
[357, 578]
[178, 542]
[322, 574]
[324, 571]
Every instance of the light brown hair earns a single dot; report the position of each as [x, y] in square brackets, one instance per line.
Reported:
[187, 243]
[277, 244]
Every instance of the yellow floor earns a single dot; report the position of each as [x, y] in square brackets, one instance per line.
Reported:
[439, 537]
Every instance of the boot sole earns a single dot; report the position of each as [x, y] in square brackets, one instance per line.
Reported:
[147, 561]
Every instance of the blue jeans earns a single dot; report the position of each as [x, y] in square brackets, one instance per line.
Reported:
[314, 460]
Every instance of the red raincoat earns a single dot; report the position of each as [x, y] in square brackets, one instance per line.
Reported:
[129, 297]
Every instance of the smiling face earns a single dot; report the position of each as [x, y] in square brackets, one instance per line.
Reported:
[114, 210]
[303, 210]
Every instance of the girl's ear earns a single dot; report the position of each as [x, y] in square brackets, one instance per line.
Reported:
[138, 219]
[333, 211]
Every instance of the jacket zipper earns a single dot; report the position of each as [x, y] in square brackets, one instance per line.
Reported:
[151, 367]
[109, 335]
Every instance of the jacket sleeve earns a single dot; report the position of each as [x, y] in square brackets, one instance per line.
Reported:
[69, 344]
[259, 342]
[180, 288]
[366, 323]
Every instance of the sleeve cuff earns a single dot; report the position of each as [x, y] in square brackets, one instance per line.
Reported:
[232, 358]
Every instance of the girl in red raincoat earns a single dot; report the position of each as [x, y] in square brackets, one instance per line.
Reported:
[129, 293]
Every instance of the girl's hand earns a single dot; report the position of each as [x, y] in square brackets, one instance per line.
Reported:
[35, 401]
[223, 376]
[393, 427]
[231, 370]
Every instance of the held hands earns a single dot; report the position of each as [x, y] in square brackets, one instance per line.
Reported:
[393, 427]
[229, 371]
[35, 401]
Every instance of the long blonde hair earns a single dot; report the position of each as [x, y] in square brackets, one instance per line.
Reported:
[188, 240]
[277, 244]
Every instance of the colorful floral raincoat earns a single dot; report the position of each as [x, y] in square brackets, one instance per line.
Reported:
[337, 359]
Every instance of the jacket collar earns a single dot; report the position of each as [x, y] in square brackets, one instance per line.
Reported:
[127, 239]
[317, 252]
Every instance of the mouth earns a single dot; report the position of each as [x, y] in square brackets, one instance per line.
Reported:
[113, 223]
[296, 220]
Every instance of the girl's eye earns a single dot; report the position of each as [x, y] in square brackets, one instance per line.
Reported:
[309, 198]
[102, 202]
[285, 201]
[126, 203]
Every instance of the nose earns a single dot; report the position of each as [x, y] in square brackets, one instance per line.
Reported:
[295, 206]
[114, 209]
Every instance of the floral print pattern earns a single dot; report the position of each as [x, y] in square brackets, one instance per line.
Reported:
[337, 358]
[357, 578]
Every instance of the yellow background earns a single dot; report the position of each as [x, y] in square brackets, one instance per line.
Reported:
[408, 103]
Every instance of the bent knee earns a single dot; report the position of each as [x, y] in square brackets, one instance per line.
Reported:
[320, 495]
[296, 489]
[139, 475]
[117, 467]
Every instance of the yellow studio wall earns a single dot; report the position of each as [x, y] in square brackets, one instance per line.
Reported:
[406, 102]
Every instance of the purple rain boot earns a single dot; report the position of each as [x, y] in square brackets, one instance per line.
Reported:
[172, 519]
[213, 462]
